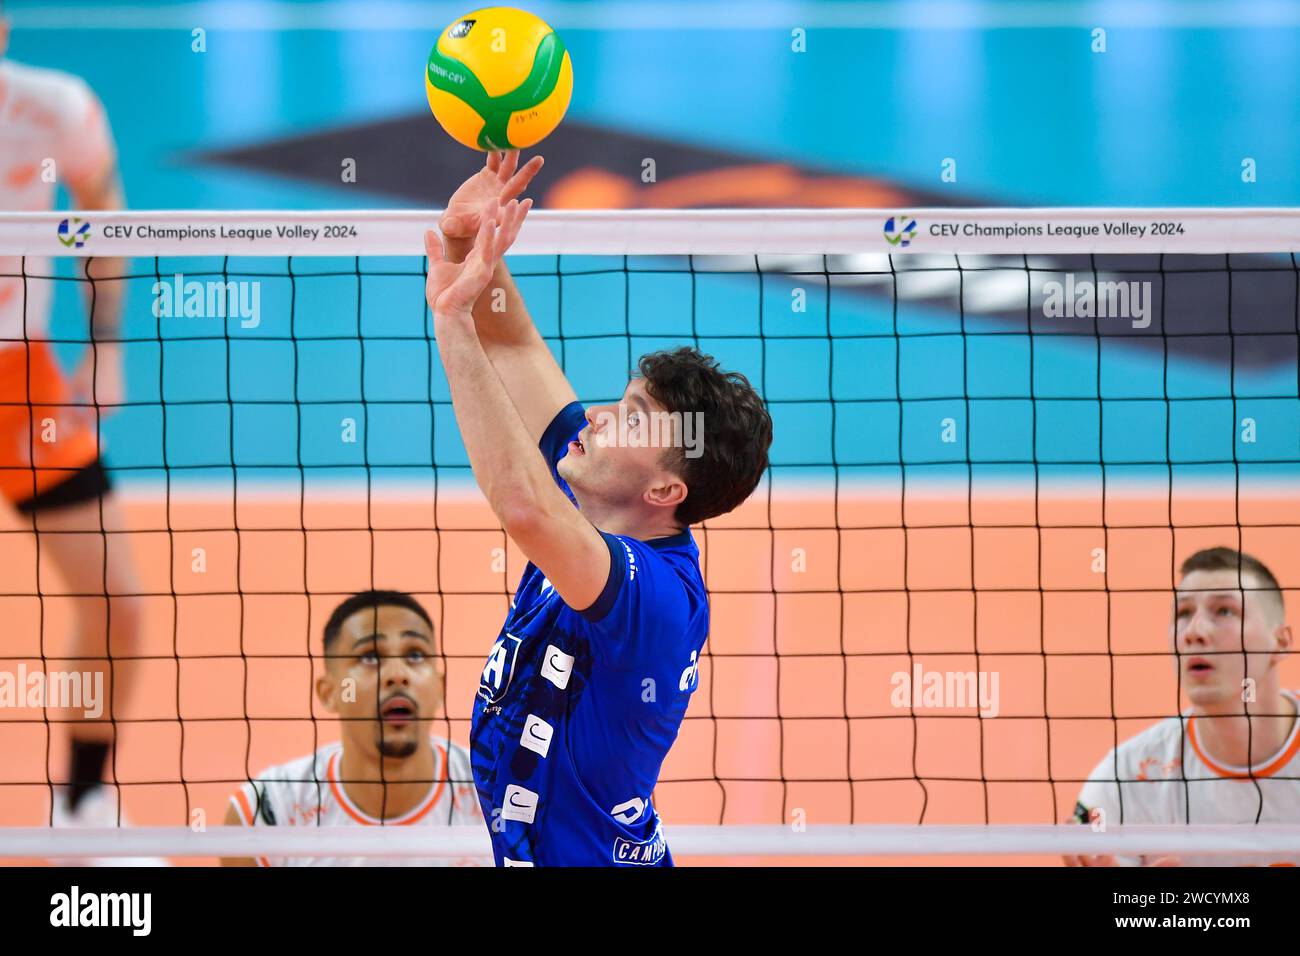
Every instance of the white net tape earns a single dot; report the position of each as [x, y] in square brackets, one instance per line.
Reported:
[738, 840]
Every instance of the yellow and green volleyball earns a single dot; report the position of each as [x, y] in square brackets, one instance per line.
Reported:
[499, 78]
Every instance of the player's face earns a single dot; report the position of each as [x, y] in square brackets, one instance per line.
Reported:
[1223, 634]
[620, 456]
[383, 680]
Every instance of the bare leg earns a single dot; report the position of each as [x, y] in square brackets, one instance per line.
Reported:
[108, 619]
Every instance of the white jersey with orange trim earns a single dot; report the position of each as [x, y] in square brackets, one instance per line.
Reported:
[308, 792]
[1166, 777]
[53, 131]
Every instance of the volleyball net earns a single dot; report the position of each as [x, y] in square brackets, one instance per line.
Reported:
[997, 435]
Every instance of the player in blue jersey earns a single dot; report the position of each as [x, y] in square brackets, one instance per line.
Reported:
[586, 686]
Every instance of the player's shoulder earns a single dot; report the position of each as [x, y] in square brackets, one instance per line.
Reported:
[50, 88]
[1158, 745]
[308, 770]
[459, 766]
[676, 554]
[667, 572]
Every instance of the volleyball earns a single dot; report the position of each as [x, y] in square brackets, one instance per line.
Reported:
[499, 78]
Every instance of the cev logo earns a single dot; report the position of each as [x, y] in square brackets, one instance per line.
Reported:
[900, 230]
[74, 232]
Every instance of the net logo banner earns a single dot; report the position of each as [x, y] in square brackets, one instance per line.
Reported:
[97, 234]
[663, 232]
[73, 232]
[1123, 228]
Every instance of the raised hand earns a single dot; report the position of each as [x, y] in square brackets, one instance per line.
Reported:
[453, 287]
[501, 179]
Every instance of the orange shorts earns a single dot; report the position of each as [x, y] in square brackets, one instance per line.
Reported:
[44, 440]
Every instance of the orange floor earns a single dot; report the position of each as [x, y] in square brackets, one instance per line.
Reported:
[793, 712]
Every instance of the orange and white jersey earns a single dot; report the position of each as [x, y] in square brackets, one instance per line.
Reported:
[308, 792]
[1166, 777]
[52, 131]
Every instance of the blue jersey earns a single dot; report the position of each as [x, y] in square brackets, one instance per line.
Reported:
[576, 710]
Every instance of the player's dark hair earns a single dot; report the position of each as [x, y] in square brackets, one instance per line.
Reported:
[370, 599]
[736, 430]
[1226, 559]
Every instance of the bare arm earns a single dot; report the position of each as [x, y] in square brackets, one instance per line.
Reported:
[98, 377]
[103, 192]
[536, 384]
[233, 819]
[509, 470]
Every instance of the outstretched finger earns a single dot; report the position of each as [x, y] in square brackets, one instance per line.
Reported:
[493, 160]
[483, 240]
[501, 236]
[433, 246]
[511, 223]
[509, 163]
[519, 182]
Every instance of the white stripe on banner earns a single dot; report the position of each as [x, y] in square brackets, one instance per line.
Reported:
[874, 233]
[348, 15]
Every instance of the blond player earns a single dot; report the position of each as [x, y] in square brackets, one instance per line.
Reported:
[382, 679]
[1234, 756]
[53, 132]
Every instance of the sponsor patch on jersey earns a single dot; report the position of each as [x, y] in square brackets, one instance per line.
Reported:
[556, 666]
[537, 735]
[499, 669]
[629, 811]
[519, 804]
[649, 853]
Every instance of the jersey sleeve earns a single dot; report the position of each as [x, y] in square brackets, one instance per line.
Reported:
[1100, 804]
[554, 443]
[85, 140]
[643, 609]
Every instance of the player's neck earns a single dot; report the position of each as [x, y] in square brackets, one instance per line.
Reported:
[1228, 736]
[384, 788]
[639, 525]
